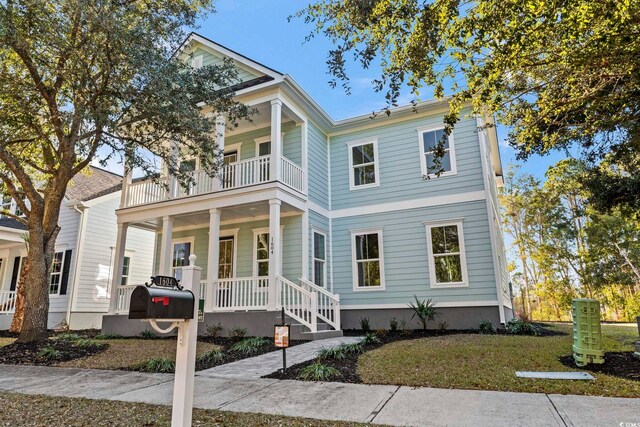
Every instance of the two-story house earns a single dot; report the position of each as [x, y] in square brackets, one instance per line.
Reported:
[80, 279]
[331, 220]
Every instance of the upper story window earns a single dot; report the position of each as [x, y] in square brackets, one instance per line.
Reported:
[363, 164]
[447, 260]
[126, 264]
[263, 146]
[368, 261]
[429, 138]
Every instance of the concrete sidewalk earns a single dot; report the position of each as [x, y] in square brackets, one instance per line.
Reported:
[379, 404]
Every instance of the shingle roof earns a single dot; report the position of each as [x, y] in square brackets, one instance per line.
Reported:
[97, 183]
[12, 223]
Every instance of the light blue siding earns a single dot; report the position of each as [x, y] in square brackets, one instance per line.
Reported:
[318, 161]
[291, 144]
[320, 223]
[399, 164]
[209, 58]
[405, 255]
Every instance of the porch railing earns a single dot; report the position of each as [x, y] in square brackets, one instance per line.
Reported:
[292, 174]
[123, 298]
[298, 303]
[241, 293]
[328, 304]
[143, 192]
[7, 302]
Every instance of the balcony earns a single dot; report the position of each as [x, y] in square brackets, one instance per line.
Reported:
[240, 174]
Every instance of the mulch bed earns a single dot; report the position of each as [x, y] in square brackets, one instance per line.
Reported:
[348, 367]
[617, 364]
[29, 353]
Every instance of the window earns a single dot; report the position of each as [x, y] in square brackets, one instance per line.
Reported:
[319, 272]
[261, 266]
[447, 262]
[225, 258]
[264, 148]
[126, 263]
[182, 249]
[230, 157]
[188, 165]
[368, 264]
[363, 159]
[429, 139]
[56, 273]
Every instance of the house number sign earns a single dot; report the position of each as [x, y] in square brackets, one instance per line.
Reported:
[272, 245]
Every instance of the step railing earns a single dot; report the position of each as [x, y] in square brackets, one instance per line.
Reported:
[241, 293]
[298, 303]
[123, 298]
[328, 306]
[7, 302]
[292, 174]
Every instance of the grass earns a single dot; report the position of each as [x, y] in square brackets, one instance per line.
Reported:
[130, 353]
[489, 362]
[6, 341]
[26, 410]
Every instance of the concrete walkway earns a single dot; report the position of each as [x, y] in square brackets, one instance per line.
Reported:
[265, 364]
[392, 405]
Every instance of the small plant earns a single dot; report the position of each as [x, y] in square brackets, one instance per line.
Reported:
[354, 349]
[425, 310]
[380, 333]
[370, 339]
[486, 327]
[50, 353]
[364, 324]
[214, 331]
[393, 324]
[108, 337]
[147, 334]
[238, 333]
[318, 372]
[404, 328]
[522, 327]
[89, 343]
[443, 325]
[335, 353]
[68, 337]
[210, 357]
[250, 345]
[158, 364]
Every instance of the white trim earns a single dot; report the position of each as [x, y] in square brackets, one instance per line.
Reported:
[462, 253]
[315, 231]
[376, 163]
[328, 215]
[254, 251]
[262, 140]
[488, 303]
[233, 147]
[354, 264]
[452, 152]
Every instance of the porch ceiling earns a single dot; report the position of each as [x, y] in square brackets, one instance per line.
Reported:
[247, 212]
[261, 119]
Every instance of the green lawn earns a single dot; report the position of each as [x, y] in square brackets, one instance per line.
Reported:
[26, 410]
[489, 362]
[6, 341]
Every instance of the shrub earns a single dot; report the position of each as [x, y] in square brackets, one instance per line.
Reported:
[522, 327]
[68, 337]
[108, 337]
[486, 327]
[158, 364]
[250, 345]
[380, 332]
[147, 334]
[443, 325]
[370, 339]
[425, 310]
[404, 329]
[238, 333]
[89, 343]
[214, 330]
[50, 353]
[364, 324]
[355, 348]
[318, 372]
[335, 353]
[210, 357]
[393, 324]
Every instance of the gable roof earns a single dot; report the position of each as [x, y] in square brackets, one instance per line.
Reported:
[98, 182]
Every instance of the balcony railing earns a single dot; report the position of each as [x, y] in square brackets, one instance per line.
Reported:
[234, 175]
[7, 302]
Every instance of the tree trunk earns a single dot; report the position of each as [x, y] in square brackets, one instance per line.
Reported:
[18, 314]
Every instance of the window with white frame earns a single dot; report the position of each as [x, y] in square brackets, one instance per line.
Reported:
[447, 261]
[261, 266]
[363, 163]
[56, 273]
[319, 272]
[126, 264]
[368, 263]
[430, 162]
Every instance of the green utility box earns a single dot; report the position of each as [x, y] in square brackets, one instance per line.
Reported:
[587, 338]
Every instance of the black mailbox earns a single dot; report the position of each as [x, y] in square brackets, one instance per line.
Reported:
[161, 303]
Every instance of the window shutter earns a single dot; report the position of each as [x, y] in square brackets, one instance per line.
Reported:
[65, 272]
[14, 275]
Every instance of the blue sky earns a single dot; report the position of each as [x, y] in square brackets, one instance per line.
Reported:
[259, 29]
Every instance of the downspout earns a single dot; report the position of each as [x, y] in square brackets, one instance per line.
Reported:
[78, 263]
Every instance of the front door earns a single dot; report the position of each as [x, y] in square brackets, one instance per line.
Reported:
[182, 250]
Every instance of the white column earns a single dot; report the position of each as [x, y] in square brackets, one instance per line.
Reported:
[220, 129]
[305, 245]
[274, 251]
[276, 138]
[183, 386]
[213, 258]
[126, 182]
[116, 273]
[165, 246]
[172, 183]
[304, 129]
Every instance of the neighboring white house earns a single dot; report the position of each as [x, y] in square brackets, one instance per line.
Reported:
[80, 280]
